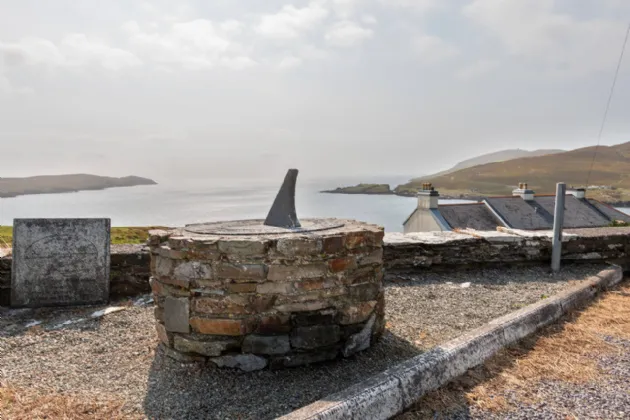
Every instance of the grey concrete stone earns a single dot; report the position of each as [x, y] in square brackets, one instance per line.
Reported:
[315, 336]
[60, 262]
[270, 344]
[360, 341]
[176, 312]
[244, 362]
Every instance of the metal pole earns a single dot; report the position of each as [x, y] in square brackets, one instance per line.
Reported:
[558, 221]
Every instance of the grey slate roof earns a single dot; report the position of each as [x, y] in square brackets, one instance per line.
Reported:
[610, 212]
[474, 216]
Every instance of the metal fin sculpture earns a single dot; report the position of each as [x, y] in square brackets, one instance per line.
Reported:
[282, 213]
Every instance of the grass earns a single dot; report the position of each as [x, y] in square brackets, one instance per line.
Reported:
[119, 235]
[562, 352]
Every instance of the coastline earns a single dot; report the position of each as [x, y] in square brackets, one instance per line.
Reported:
[69, 191]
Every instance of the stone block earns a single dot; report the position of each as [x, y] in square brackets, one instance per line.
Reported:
[354, 314]
[59, 262]
[364, 292]
[321, 317]
[205, 348]
[332, 244]
[193, 270]
[269, 345]
[299, 247]
[160, 289]
[159, 314]
[343, 264]
[242, 248]
[163, 335]
[181, 357]
[163, 266]
[374, 257]
[217, 326]
[315, 336]
[302, 306]
[176, 312]
[297, 272]
[281, 288]
[273, 324]
[309, 285]
[242, 272]
[244, 362]
[219, 305]
[242, 287]
[360, 341]
[354, 240]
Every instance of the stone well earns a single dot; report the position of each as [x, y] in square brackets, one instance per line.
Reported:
[273, 299]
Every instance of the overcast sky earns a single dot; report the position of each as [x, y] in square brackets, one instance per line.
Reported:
[334, 87]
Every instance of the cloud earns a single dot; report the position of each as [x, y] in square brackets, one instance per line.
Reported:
[290, 62]
[420, 6]
[433, 49]
[534, 31]
[476, 69]
[368, 19]
[290, 22]
[347, 34]
[194, 45]
[74, 50]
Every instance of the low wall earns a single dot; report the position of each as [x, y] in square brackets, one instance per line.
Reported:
[129, 272]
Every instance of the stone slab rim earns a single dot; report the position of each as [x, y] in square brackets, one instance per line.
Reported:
[257, 227]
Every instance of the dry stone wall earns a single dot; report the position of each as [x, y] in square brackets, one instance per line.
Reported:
[256, 302]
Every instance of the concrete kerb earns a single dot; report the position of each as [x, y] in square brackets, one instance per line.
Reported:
[390, 392]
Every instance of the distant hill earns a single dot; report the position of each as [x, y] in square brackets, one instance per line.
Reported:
[611, 169]
[500, 156]
[375, 189]
[53, 184]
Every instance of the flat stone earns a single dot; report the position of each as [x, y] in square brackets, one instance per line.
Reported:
[364, 292]
[217, 306]
[181, 357]
[302, 306]
[354, 314]
[176, 312]
[193, 270]
[343, 264]
[163, 266]
[282, 288]
[360, 341]
[315, 336]
[242, 272]
[243, 248]
[163, 335]
[332, 244]
[374, 257]
[297, 247]
[242, 287]
[58, 262]
[309, 285]
[244, 362]
[205, 348]
[297, 272]
[270, 344]
[160, 289]
[232, 327]
[321, 317]
[274, 324]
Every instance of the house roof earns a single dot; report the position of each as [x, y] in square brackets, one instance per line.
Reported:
[472, 216]
[610, 212]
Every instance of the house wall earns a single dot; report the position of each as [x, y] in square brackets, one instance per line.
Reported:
[422, 221]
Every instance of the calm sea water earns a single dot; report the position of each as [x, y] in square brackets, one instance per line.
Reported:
[196, 202]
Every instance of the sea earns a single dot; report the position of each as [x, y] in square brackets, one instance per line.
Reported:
[181, 202]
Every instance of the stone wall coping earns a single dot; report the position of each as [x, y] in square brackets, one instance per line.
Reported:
[388, 393]
[116, 249]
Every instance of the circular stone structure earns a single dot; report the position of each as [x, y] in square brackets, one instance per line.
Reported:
[248, 296]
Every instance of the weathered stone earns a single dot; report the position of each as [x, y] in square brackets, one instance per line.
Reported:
[299, 247]
[243, 248]
[160, 289]
[355, 240]
[374, 257]
[159, 314]
[181, 357]
[176, 311]
[60, 262]
[342, 264]
[321, 317]
[315, 295]
[217, 306]
[315, 336]
[332, 244]
[193, 270]
[244, 362]
[163, 266]
[362, 275]
[216, 326]
[273, 324]
[242, 272]
[242, 287]
[271, 344]
[296, 272]
[204, 348]
[163, 335]
[303, 306]
[354, 314]
[300, 359]
[276, 288]
[360, 341]
[157, 236]
[364, 292]
[308, 285]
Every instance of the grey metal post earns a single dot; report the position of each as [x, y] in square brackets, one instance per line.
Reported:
[558, 221]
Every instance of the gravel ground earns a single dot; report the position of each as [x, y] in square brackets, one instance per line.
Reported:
[606, 395]
[115, 356]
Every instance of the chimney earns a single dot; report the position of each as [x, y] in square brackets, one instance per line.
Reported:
[428, 197]
[578, 192]
[523, 192]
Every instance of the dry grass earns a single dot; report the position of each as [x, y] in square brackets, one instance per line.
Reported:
[562, 352]
[31, 404]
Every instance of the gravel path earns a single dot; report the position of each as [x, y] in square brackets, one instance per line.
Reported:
[115, 357]
[523, 393]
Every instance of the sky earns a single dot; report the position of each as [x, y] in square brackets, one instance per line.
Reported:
[247, 89]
